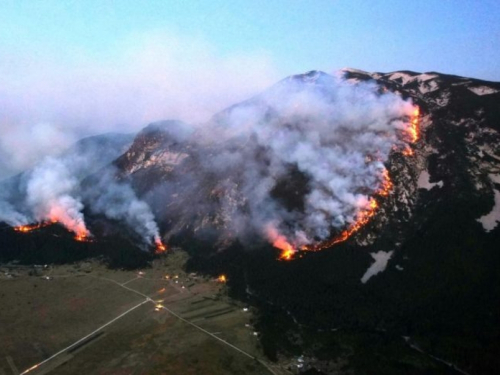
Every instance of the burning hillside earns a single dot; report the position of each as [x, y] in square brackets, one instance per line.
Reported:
[306, 158]
[363, 216]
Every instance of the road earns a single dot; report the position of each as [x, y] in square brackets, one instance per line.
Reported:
[147, 299]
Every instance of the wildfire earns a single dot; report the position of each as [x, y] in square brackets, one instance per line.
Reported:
[75, 225]
[280, 242]
[81, 233]
[408, 151]
[362, 219]
[160, 247]
[288, 251]
[414, 130]
[386, 184]
[29, 228]
[82, 237]
[222, 279]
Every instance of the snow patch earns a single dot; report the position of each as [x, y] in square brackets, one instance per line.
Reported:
[405, 78]
[381, 259]
[426, 77]
[423, 181]
[482, 90]
[495, 178]
[491, 220]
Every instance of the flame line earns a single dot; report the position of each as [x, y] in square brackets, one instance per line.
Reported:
[363, 217]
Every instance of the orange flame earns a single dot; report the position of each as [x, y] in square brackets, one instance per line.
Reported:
[82, 237]
[363, 216]
[414, 129]
[29, 228]
[408, 151]
[222, 279]
[362, 219]
[160, 247]
[387, 184]
[280, 242]
[59, 215]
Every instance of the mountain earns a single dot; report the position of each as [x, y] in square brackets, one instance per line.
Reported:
[414, 290]
[434, 237]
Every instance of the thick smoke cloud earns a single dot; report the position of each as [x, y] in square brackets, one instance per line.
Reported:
[10, 215]
[299, 161]
[52, 195]
[55, 190]
[118, 201]
[333, 134]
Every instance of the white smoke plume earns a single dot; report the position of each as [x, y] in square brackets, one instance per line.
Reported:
[52, 195]
[118, 201]
[335, 135]
[304, 158]
[10, 215]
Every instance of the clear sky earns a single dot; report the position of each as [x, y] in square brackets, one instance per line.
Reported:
[452, 36]
[72, 68]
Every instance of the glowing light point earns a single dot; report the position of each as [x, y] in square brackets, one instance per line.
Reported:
[287, 254]
[222, 279]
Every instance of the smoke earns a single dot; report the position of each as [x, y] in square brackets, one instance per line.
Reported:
[118, 201]
[10, 215]
[56, 191]
[294, 164]
[52, 196]
[300, 161]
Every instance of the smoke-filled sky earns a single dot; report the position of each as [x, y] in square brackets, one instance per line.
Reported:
[75, 68]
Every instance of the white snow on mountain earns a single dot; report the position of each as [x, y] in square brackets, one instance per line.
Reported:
[482, 90]
[381, 259]
[491, 220]
[404, 77]
[424, 183]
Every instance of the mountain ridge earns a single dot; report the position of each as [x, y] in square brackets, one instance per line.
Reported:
[436, 289]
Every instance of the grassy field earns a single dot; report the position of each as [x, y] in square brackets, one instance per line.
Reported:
[87, 319]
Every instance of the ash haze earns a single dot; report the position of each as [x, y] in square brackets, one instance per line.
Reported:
[70, 69]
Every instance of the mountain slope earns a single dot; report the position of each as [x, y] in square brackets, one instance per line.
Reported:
[415, 290]
[436, 231]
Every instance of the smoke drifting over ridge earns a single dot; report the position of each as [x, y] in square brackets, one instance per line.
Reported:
[118, 201]
[52, 196]
[296, 163]
[55, 191]
[300, 160]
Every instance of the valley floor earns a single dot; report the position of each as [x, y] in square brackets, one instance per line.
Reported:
[87, 319]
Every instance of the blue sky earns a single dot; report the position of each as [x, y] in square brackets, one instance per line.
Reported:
[460, 37]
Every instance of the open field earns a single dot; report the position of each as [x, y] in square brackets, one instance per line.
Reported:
[87, 319]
